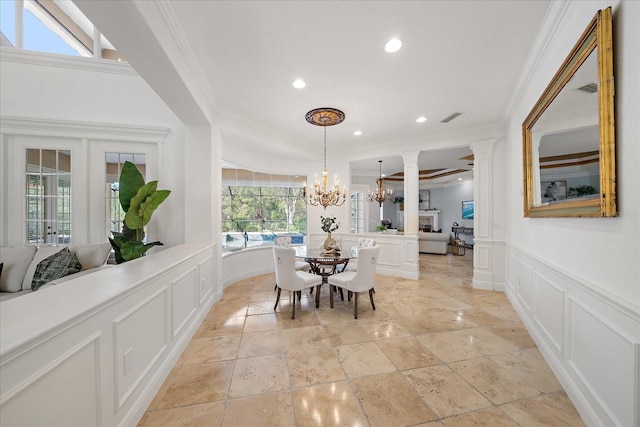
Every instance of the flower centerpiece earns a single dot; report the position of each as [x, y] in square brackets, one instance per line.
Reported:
[329, 246]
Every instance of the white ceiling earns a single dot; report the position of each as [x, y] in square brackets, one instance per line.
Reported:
[457, 56]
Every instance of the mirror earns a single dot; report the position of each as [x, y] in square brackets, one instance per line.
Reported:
[569, 138]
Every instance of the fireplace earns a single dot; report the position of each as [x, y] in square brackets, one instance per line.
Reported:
[428, 220]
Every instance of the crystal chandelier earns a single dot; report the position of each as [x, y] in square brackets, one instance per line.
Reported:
[320, 194]
[380, 195]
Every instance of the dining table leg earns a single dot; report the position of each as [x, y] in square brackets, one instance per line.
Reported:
[318, 295]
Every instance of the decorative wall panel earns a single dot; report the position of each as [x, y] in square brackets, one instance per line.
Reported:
[590, 339]
[205, 276]
[602, 357]
[45, 392]
[184, 294]
[548, 310]
[140, 337]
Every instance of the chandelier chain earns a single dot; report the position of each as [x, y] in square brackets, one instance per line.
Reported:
[320, 194]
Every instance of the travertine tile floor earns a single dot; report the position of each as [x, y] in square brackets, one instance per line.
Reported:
[435, 352]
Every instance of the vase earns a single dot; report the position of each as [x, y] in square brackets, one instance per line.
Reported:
[329, 245]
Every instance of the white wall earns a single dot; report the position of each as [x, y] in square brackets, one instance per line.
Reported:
[72, 93]
[576, 281]
[448, 200]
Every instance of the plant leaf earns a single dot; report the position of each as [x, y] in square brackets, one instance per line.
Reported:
[130, 182]
[133, 218]
[151, 204]
[134, 250]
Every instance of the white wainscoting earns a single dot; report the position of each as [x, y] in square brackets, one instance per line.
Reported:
[590, 338]
[398, 253]
[242, 264]
[96, 349]
[398, 257]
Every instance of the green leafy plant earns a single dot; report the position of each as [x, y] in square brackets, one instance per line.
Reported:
[398, 199]
[329, 224]
[581, 190]
[138, 201]
[381, 228]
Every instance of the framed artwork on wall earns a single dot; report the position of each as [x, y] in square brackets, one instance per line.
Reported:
[552, 191]
[467, 209]
[423, 200]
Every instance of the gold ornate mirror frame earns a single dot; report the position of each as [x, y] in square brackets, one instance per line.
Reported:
[598, 36]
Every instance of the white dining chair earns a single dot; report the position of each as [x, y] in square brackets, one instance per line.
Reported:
[361, 280]
[288, 278]
[286, 242]
[363, 242]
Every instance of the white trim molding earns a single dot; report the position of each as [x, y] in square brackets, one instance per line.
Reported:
[589, 338]
[65, 128]
[11, 54]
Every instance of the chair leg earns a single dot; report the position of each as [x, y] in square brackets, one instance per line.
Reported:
[299, 295]
[277, 298]
[293, 307]
[355, 305]
[371, 292]
[331, 290]
[318, 295]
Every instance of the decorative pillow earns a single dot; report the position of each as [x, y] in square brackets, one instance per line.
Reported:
[92, 256]
[54, 267]
[16, 261]
[42, 252]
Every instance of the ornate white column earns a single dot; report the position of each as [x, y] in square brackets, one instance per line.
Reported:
[410, 160]
[484, 248]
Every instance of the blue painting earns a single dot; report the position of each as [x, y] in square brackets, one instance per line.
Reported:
[467, 210]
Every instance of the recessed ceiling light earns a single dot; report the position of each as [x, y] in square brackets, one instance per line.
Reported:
[299, 83]
[421, 119]
[393, 45]
[357, 133]
[459, 179]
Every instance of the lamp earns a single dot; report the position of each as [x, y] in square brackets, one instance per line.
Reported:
[380, 195]
[320, 194]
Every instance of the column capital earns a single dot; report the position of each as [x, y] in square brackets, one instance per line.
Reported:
[484, 147]
[410, 157]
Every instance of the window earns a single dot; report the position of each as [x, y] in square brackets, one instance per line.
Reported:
[114, 162]
[357, 212]
[54, 27]
[258, 207]
[48, 197]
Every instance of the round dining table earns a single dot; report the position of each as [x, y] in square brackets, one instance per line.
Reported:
[324, 264]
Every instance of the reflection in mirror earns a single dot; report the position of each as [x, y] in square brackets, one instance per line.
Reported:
[569, 165]
[568, 144]
[567, 140]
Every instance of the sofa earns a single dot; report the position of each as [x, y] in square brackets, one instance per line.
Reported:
[27, 268]
[433, 243]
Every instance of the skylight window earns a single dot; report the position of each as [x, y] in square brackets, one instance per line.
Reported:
[54, 27]
[43, 38]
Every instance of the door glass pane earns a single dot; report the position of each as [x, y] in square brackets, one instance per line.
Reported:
[114, 162]
[48, 197]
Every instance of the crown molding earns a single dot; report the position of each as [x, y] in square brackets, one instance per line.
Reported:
[72, 129]
[11, 54]
[546, 33]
